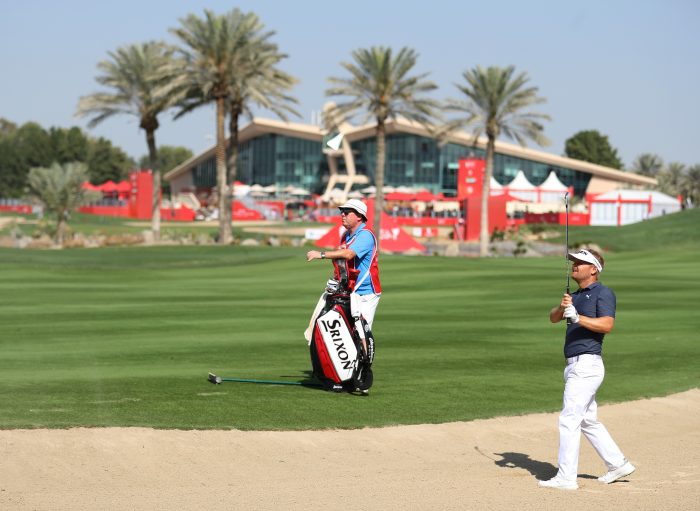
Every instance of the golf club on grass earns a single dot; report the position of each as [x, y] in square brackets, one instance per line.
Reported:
[219, 379]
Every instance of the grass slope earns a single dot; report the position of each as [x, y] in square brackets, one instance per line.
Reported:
[126, 336]
[677, 230]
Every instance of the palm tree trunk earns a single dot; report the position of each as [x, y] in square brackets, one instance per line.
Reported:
[155, 206]
[61, 227]
[222, 187]
[233, 158]
[379, 180]
[485, 192]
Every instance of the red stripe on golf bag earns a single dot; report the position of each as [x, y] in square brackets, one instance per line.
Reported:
[348, 324]
[324, 358]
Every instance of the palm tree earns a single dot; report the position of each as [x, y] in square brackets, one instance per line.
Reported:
[671, 178]
[230, 61]
[648, 164]
[690, 186]
[59, 188]
[135, 75]
[495, 100]
[258, 81]
[381, 88]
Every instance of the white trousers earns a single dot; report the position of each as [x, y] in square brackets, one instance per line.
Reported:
[582, 378]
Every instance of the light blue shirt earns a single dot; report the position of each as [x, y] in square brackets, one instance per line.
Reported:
[362, 243]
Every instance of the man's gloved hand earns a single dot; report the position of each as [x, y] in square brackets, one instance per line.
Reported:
[571, 314]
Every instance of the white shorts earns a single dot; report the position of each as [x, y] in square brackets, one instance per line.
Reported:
[368, 306]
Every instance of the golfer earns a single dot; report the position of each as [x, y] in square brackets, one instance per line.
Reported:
[590, 312]
[358, 245]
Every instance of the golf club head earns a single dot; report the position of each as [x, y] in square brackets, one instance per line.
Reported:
[214, 378]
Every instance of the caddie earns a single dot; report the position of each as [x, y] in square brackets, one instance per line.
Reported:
[590, 312]
[358, 245]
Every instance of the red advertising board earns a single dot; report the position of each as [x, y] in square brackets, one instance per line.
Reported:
[470, 178]
[141, 198]
[497, 216]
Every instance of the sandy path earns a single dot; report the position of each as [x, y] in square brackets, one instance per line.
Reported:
[489, 464]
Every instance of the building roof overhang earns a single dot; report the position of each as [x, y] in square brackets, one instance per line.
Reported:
[255, 128]
[259, 126]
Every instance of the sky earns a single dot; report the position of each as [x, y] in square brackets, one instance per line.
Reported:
[627, 68]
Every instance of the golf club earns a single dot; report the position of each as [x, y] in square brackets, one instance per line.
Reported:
[219, 379]
[566, 253]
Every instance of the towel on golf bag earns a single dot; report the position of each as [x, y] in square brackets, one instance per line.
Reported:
[341, 344]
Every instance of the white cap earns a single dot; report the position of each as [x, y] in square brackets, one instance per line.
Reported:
[585, 256]
[357, 205]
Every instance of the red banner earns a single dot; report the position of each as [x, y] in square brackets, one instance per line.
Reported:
[470, 178]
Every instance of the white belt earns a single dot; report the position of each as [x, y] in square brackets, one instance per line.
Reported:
[571, 360]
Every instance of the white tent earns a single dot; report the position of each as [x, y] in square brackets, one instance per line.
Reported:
[495, 188]
[257, 191]
[336, 195]
[521, 188]
[369, 190]
[241, 190]
[621, 207]
[552, 183]
[552, 190]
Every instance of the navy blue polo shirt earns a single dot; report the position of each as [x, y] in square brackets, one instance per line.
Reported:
[594, 301]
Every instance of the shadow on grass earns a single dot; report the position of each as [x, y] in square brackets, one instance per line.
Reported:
[309, 380]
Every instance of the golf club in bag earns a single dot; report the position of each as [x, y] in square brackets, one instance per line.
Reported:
[341, 343]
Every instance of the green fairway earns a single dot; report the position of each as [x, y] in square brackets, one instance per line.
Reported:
[126, 337]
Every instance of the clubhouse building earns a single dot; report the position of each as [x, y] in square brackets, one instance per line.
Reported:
[283, 154]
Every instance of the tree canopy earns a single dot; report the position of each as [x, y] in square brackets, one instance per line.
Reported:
[59, 188]
[648, 164]
[593, 147]
[690, 185]
[169, 157]
[30, 145]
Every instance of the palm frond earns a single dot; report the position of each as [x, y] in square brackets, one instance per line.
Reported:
[232, 57]
[495, 102]
[380, 87]
[133, 76]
